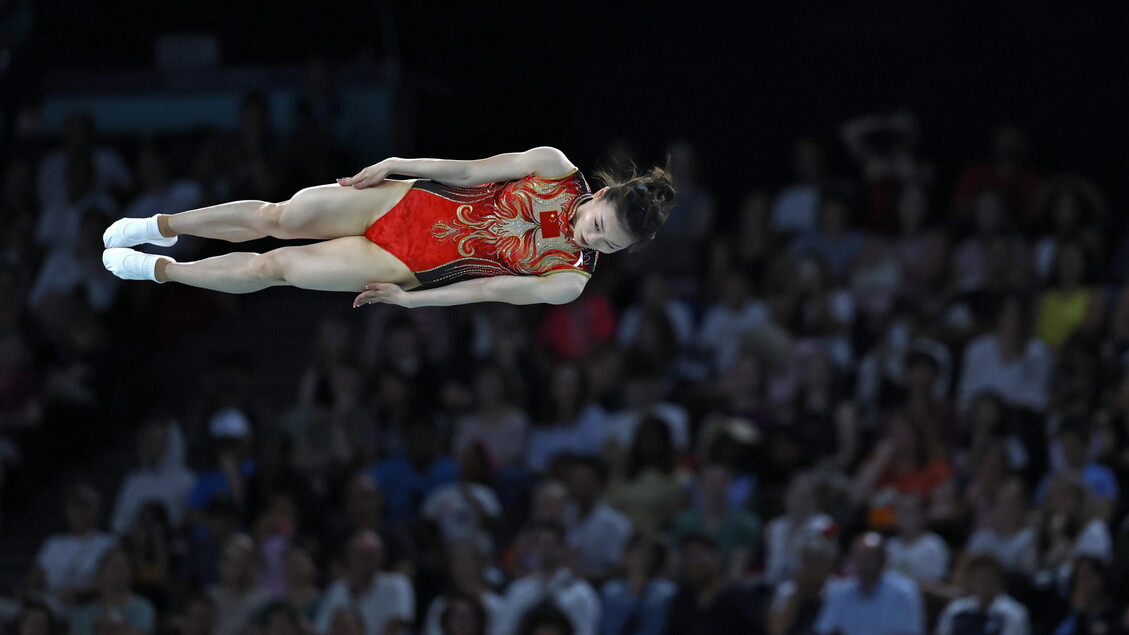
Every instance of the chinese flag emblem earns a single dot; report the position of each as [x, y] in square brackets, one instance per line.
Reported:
[550, 228]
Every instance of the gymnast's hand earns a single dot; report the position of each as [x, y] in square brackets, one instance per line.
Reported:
[385, 292]
[371, 175]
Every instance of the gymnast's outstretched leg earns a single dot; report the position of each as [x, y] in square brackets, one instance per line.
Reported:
[342, 264]
[323, 211]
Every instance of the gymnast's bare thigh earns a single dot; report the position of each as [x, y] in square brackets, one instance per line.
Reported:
[334, 211]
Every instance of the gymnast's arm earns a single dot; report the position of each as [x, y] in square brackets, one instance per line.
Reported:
[542, 161]
[557, 288]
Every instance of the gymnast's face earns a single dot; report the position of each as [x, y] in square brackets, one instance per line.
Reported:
[596, 225]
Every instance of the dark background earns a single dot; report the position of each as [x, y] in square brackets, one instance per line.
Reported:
[741, 80]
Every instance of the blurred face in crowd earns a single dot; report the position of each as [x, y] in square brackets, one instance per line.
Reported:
[701, 563]
[584, 484]
[490, 388]
[817, 561]
[300, 569]
[114, 572]
[1074, 448]
[911, 515]
[833, 217]
[82, 516]
[913, 206]
[279, 622]
[1071, 265]
[1011, 505]
[110, 621]
[35, 621]
[1066, 212]
[461, 619]
[238, 565]
[155, 443]
[985, 582]
[199, 618]
[715, 487]
[547, 551]
[347, 621]
[366, 556]
[466, 564]
[921, 376]
[800, 498]
[1089, 588]
[566, 384]
[549, 501]
[869, 557]
[1065, 496]
[990, 213]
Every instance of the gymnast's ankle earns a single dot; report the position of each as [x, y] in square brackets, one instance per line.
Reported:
[163, 226]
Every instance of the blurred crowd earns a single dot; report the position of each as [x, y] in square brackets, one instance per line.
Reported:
[871, 400]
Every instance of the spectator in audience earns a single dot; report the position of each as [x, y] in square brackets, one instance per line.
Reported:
[1090, 606]
[1071, 303]
[386, 600]
[735, 530]
[707, 602]
[279, 618]
[71, 270]
[569, 421]
[797, 601]
[654, 296]
[35, 618]
[637, 603]
[988, 609]
[347, 620]
[906, 460]
[237, 599]
[67, 564]
[915, 552]
[1074, 443]
[243, 163]
[1068, 529]
[1009, 538]
[461, 615]
[364, 509]
[108, 173]
[649, 493]
[497, 422]
[153, 548]
[467, 509]
[233, 465]
[1005, 171]
[596, 532]
[644, 397]
[467, 572]
[59, 223]
[834, 244]
[114, 595]
[921, 248]
[18, 211]
[885, 147]
[875, 601]
[408, 480]
[730, 319]
[796, 208]
[994, 258]
[162, 476]
[546, 619]
[786, 535]
[549, 579]
[1068, 209]
[302, 593]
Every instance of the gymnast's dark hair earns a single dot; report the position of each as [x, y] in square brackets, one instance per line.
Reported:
[642, 200]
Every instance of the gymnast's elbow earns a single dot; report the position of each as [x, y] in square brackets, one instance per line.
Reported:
[562, 288]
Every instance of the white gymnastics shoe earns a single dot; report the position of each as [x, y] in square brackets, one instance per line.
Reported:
[128, 264]
[127, 232]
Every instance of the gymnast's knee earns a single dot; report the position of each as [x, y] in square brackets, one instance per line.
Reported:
[269, 268]
[269, 217]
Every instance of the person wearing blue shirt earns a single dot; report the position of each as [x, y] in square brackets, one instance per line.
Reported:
[876, 601]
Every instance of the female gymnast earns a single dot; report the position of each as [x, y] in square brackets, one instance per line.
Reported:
[463, 231]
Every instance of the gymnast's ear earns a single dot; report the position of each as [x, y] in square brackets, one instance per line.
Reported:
[600, 192]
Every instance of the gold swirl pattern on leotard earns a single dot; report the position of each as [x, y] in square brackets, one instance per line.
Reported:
[526, 226]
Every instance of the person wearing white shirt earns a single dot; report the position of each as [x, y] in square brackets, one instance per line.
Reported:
[785, 535]
[67, 563]
[728, 321]
[914, 552]
[383, 599]
[987, 610]
[876, 601]
[162, 477]
[110, 173]
[597, 533]
[1007, 362]
[549, 580]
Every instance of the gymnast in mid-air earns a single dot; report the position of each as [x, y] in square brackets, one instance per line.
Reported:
[521, 228]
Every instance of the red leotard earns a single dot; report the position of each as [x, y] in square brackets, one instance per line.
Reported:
[445, 233]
